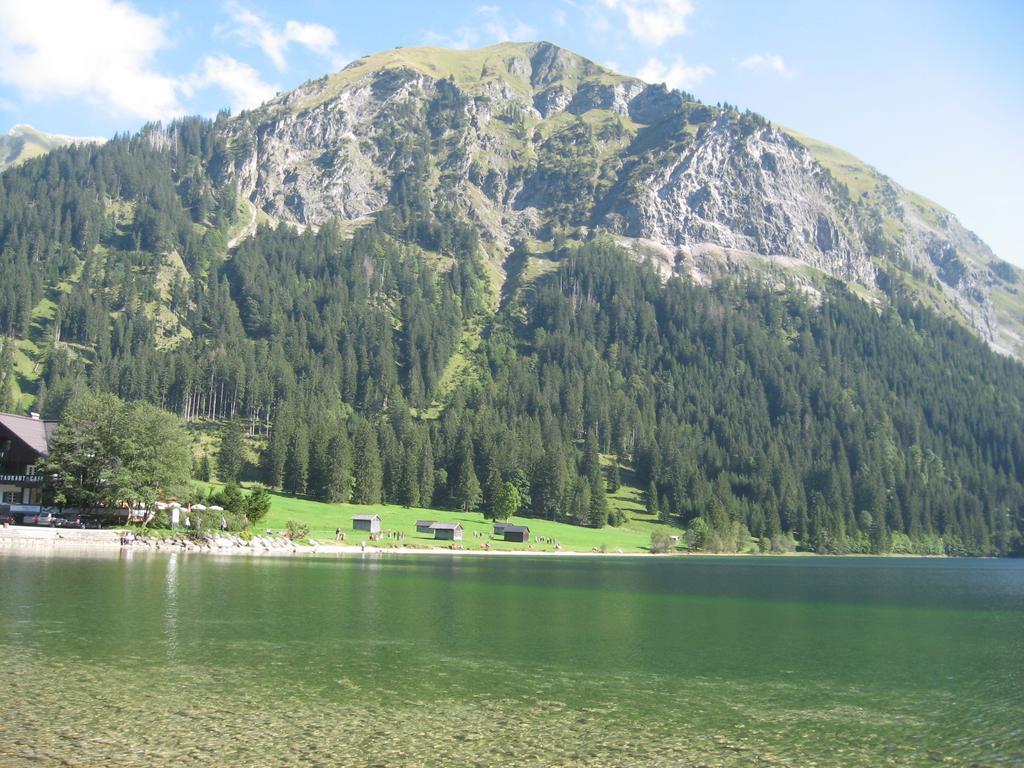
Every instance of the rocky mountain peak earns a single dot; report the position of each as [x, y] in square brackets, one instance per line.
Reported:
[529, 141]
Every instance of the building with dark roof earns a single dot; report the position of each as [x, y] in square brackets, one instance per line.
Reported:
[423, 526]
[24, 442]
[520, 533]
[447, 531]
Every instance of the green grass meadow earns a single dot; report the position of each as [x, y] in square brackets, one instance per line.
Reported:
[634, 536]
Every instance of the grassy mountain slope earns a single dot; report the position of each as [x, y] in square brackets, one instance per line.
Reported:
[877, 192]
[24, 142]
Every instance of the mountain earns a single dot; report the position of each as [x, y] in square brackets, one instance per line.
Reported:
[23, 142]
[530, 140]
[435, 273]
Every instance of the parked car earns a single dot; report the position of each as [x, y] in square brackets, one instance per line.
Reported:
[68, 520]
[42, 517]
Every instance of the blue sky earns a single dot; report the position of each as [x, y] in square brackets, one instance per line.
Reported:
[932, 93]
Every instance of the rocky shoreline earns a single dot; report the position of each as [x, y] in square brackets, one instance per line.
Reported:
[25, 538]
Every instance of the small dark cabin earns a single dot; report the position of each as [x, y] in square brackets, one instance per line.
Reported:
[520, 533]
[447, 531]
[423, 526]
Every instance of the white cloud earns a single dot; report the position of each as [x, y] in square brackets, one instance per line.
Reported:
[600, 24]
[502, 33]
[675, 73]
[767, 62]
[492, 29]
[242, 83]
[99, 50]
[653, 21]
[251, 29]
[559, 17]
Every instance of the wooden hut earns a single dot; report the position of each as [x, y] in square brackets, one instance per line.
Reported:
[447, 531]
[520, 533]
[423, 526]
[499, 528]
[370, 523]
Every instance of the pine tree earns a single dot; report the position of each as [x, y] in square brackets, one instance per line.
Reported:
[614, 478]
[579, 511]
[598, 503]
[339, 471]
[591, 465]
[319, 463]
[203, 471]
[492, 487]
[426, 473]
[548, 489]
[296, 465]
[276, 453]
[409, 484]
[231, 456]
[651, 499]
[467, 488]
[368, 473]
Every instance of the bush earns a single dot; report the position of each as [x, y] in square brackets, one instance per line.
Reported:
[782, 543]
[297, 530]
[661, 542]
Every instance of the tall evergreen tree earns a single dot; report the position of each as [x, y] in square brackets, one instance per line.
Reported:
[467, 488]
[368, 475]
[231, 455]
[296, 465]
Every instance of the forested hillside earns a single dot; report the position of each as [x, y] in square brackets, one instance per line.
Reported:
[374, 362]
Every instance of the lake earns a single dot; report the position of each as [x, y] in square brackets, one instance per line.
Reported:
[152, 659]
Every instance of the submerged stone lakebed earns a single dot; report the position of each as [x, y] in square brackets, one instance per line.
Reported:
[156, 659]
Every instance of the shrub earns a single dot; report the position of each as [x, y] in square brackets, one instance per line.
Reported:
[297, 530]
[661, 542]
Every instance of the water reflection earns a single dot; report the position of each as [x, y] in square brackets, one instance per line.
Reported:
[171, 608]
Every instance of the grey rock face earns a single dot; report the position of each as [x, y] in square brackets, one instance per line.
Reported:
[763, 194]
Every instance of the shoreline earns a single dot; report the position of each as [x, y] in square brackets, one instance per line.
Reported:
[109, 540]
[25, 539]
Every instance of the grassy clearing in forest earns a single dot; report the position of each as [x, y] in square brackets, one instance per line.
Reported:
[634, 536]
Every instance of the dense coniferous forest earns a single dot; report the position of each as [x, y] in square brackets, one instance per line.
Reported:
[741, 411]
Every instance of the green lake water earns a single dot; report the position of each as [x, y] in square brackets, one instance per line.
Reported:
[184, 660]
